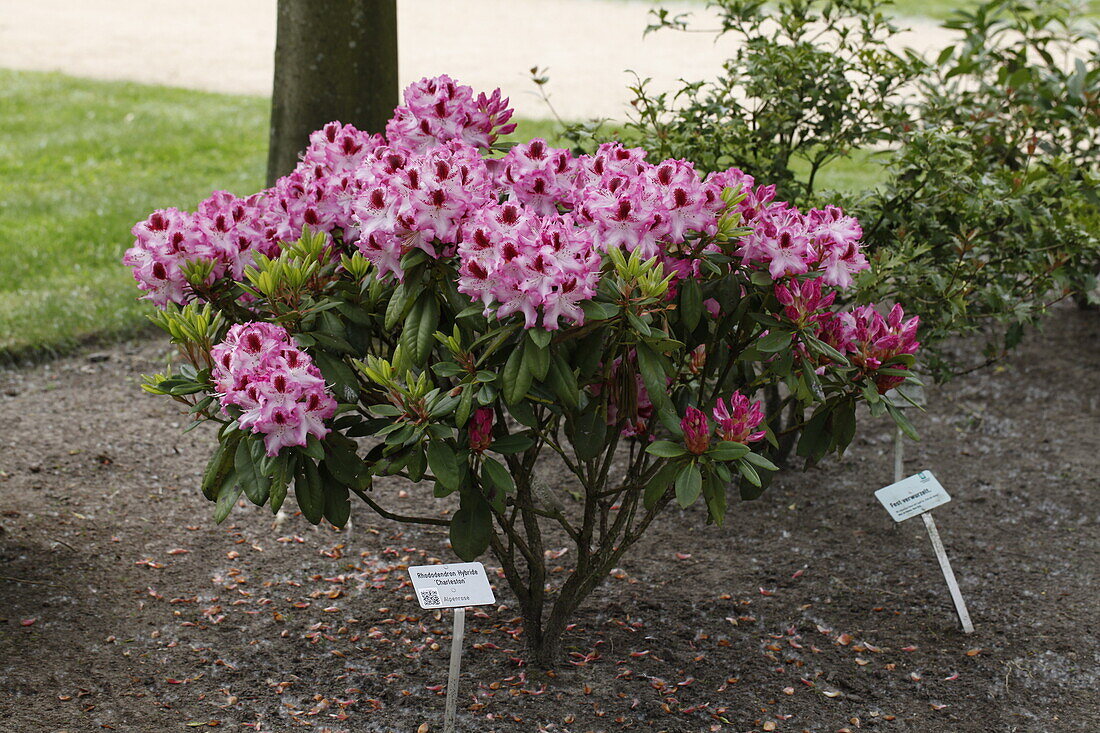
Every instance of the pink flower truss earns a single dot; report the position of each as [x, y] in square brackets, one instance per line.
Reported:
[537, 175]
[418, 200]
[226, 230]
[789, 242]
[438, 110]
[279, 391]
[804, 302]
[737, 421]
[869, 340]
[529, 264]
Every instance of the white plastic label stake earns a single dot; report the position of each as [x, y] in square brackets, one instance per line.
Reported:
[452, 586]
[456, 586]
[912, 496]
[452, 673]
[919, 494]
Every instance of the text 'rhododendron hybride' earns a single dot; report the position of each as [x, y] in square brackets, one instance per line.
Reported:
[438, 305]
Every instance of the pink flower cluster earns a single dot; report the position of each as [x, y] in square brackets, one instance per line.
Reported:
[418, 200]
[225, 230]
[789, 242]
[637, 205]
[804, 303]
[538, 176]
[280, 393]
[427, 186]
[869, 340]
[529, 264]
[439, 110]
[736, 420]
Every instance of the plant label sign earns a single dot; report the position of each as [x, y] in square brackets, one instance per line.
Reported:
[912, 496]
[456, 585]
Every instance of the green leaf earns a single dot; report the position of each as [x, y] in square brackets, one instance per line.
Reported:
[750, 491]
[465, 405]
[563, 382]
[540, 337]
[339, 375]
[497, 474]
[314, 449]
[657, 485]
[666, 449]
[653, 375]
[903, 422]
[524, 414]
[689, 484]
[343, 462]
[844, 424]
[515, 378]
[397, 308]
[727, 450]
[814, 442]
[471, 529]
[774, 341]
[337, 506]
[221, 463]
[589, 430]
[511, 444]
[256, 486]
[760, 461]
[536, 359]
[639, 325]
[444, 465]
[309, 492]
[429, 321]
[714, 492]
[596, 311]
[282, 471]
[691, 303]
[749, 473]
[416, 463]
[227, 498]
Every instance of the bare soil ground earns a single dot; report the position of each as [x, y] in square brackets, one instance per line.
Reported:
[123, 607]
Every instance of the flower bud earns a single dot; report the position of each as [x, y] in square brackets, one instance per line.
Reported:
[696, 431]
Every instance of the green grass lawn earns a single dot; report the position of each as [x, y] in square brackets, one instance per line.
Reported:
[81, 161]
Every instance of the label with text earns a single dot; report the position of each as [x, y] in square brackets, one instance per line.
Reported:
[912, 496]
[452, 586]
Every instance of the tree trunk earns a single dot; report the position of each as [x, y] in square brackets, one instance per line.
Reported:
[334, 60]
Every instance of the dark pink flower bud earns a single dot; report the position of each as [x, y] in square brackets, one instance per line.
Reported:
[481, 429]
[696, 431]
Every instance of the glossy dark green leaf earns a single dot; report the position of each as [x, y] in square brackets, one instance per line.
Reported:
[221, 463]
[227, 499]
[515, 378]
[471, 529]
[308, 492]
[444, 464]
[666, 449]
[691, 302]
[689, 484]
[657, 485]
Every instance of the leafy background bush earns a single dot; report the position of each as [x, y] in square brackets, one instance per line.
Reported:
[988, 213]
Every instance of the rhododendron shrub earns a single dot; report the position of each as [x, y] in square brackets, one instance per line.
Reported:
[508, 327]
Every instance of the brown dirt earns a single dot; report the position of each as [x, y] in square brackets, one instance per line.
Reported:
[105, 623]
